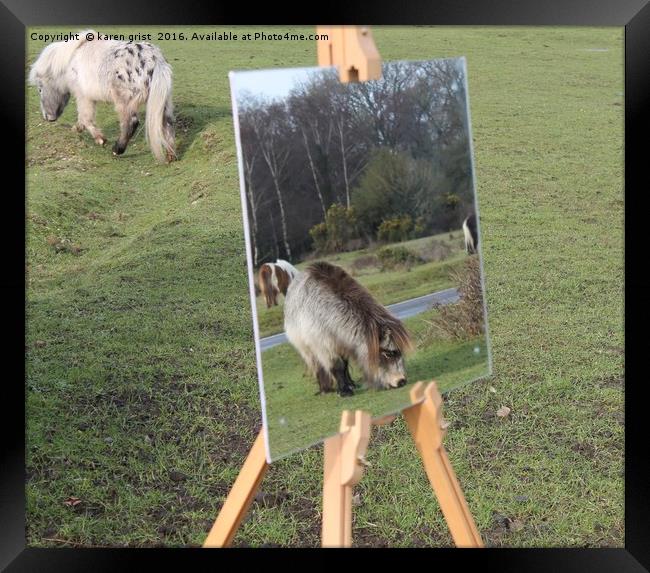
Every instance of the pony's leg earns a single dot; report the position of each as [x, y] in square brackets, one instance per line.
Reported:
[329, 373]
[325, 381]
[128, 124]
[344, 383]
[169, 132]
[86, 120]
[346, 372]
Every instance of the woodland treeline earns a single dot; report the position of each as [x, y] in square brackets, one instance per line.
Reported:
[336, 166]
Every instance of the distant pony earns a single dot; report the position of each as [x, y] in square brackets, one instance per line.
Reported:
[123, 73]
[471, 234]
[274, 278]
[331, 319]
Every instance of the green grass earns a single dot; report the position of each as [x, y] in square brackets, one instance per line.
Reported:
[296, 416]
[389, 286]
[142, 396]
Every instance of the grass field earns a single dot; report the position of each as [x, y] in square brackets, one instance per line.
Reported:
[297, 416]
[141, 391]
[387, 286]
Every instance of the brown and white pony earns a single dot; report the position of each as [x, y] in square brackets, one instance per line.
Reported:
[331, 319]
[274, 278]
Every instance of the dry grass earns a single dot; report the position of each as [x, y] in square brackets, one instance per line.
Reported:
[464, 319]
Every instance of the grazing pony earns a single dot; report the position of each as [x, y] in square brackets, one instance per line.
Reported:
[123, 73]
[471, 234]
[274, 278]
[331, 319]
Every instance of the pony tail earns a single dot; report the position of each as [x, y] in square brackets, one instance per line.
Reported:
[283, 279]
[160, 113]
[266, 285]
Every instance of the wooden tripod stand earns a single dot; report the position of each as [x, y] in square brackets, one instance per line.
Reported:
[343, 468]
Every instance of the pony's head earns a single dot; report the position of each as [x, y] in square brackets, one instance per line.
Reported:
[53, 98]
[48, 74]
[387, 365]
[48, 79]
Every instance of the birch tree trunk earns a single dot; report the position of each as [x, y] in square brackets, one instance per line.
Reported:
[248, 167]
[275, 161]
[345, 163]
[313, 172]
[283, 218]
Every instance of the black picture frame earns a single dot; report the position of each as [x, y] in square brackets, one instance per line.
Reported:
[16, 15]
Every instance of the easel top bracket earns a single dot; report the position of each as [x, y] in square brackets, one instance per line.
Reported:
[352, 49]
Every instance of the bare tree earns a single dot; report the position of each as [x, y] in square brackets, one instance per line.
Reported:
[313, 172]
[314, 147]
[253, 198]
[267, 127]
[309, 111]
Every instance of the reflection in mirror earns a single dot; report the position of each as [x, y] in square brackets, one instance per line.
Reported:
[363, 241]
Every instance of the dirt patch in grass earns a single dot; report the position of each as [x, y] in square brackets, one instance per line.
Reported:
[611, 382]
[183, 123]
[64, 245]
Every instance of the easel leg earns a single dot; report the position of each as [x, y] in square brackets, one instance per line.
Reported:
[336, 513]
[342, 471]
[240, 497]
[425, 423]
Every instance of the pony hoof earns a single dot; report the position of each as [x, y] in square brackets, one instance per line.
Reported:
[118, 150]
[100, 141]
[346, 392]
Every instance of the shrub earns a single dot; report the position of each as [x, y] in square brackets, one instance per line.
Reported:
[318, 234]
[338, 229]
[394, 257]
[435, 250]
[364, 262]
[420, 227]
[464, 319]
[396, 229]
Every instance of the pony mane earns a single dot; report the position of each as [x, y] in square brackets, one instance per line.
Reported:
[54, 59]
[287, 267]
[374, 316]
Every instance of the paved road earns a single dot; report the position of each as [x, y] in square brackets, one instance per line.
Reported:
[401, 310]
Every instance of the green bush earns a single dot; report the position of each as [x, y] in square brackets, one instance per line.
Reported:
[364, 262]
[420, 227]
[396, 257]
[318, 234]
[339, 227]
[396, 229]
[432, 192]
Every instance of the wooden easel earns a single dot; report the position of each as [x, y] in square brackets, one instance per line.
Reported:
[343, 468]
[352, 49]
